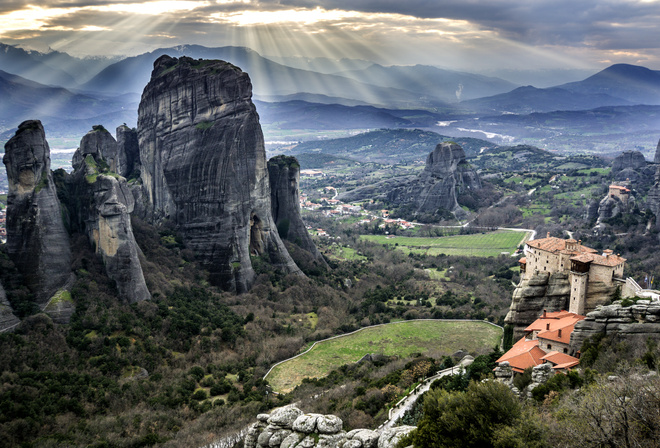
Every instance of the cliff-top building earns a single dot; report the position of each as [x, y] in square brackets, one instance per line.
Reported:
[583, 264]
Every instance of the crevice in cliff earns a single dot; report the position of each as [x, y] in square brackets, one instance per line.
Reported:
[256, 235]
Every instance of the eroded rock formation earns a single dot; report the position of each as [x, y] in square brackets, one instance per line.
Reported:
[284, 175]
[128, 151]
[101, 209]
[288, 427]
[37, 240]
[551, 292]
[203, 167]
[635, 323]
[446, 175]
[630, 165]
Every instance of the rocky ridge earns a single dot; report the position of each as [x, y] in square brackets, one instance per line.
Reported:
[631, 165]
[637, 322]
[203, 167]
[284, 176]
[37, 240]
[289, 427]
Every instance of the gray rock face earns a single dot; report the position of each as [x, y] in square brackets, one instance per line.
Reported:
[653, 198]
[8, 320]
[284, 176]
[203, 167]
[100, 144]
[656, 159]
[610, 207]
[635, 323]
[551, 292]
[628, 160]
[534, 294]
[103, 213]
[288, 427]
[128, 151]
[445, 175]
[37, 240]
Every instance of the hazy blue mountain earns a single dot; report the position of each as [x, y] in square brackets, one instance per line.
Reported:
[528, 99]
[432, 82]
[306, 115]
[52, 68]
[634, 83]
[60, 110]
[20, 62]
[322, 65]
[268, 77]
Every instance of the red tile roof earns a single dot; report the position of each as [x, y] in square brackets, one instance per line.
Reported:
[524, 353]
[555, 327]
[557, 358]
[557, 245]
[609, 260]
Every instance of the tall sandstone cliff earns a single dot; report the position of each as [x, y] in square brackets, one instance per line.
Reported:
[445, 175]
[204, 167]
[101, 207]
[284, 176]
[37, 240]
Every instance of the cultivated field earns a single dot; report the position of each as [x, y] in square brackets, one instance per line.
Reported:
[477, 245]
[430, 337]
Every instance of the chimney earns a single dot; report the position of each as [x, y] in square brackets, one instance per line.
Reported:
[579, 242]
[548, 235]
[547, 326]
[559, 333]
[545, 312]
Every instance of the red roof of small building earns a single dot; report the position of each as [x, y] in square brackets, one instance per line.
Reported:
[557, 358]
[523, 260]
[524, 353]
[603, 260]
[556, 326]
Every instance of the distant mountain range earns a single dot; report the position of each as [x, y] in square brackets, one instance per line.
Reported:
[325, 94]
[58, 108]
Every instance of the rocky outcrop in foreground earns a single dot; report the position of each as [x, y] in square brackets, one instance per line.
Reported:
[37, 241]
[637, 322]
[289, 427]
[203, 167]
[284, 175]
[101, 209]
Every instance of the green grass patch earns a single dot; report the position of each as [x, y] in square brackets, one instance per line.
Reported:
[345, 253]
[399, 339]
[478, 245]
[204, 125]
[434, 274]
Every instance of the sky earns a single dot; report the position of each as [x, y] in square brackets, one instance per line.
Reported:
[474, 35]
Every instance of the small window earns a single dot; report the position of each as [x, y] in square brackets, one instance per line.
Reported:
[565, 350]
[549, 346]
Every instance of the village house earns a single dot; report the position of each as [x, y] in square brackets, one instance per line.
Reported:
[583, 264]
[546, 340]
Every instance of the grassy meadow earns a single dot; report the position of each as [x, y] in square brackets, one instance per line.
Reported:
[489, 244]
[397, 339]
